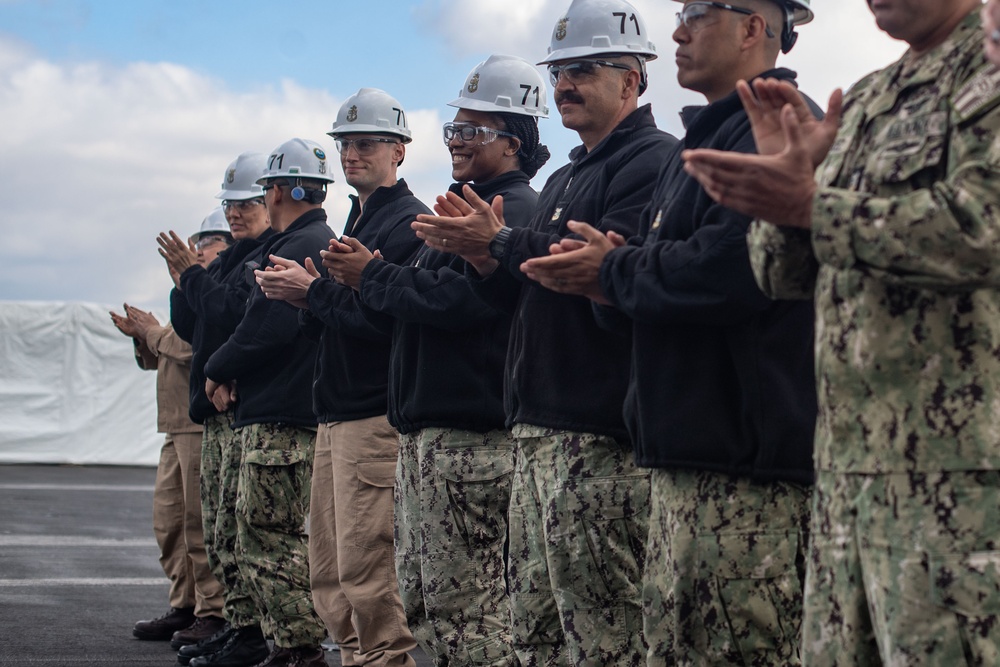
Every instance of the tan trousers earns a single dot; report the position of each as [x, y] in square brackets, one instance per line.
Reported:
[178, 528]
[352, 568]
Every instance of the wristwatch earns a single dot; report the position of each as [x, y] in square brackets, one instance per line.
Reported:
[499, 243]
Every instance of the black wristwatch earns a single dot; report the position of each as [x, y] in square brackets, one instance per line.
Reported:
[499, 242]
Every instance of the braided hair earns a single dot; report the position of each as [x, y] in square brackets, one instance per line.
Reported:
[532, 154]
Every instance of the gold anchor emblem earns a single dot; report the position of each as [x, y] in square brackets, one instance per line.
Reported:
[231, 175]
[561, 29]
[474, 83]
[352, 113]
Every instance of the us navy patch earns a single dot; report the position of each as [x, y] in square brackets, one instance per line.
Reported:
[979, 92]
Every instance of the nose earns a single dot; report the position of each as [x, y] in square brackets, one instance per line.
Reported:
[563, 82]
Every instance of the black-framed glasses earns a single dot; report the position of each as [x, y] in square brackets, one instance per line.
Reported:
[580, 70]
[693, 15]
[468, 133]
[241, 205]
[363, 147]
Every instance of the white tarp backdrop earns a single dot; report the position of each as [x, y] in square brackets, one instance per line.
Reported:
[70, 390]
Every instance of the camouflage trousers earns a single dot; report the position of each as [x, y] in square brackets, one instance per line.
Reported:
[221, 453]
[451, 499]
[904, 570]
[579, 513]
[272, 503]
[725, 565]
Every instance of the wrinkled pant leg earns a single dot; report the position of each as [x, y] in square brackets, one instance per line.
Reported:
[271, 510]
[168, 526]
[207, 590]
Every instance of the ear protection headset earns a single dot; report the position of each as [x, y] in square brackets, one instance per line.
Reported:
[300, 193]
[788, 34]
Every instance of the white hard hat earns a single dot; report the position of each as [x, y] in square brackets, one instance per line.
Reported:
[801, 13]
[600, 27]
[504, 84]
[240, 180]
[371, 111]
[297, 158]
[214, 223]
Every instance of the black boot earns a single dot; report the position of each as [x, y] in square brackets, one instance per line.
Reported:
[203, 629]
[164, 627]
[205, 646]
[245, 647]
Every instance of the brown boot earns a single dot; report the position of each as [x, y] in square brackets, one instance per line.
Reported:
[300, 656]
[164, 627]
[202, 628]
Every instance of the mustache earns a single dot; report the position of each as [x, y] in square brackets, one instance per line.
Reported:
[568, 96]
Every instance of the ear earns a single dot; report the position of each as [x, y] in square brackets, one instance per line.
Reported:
[630, 84]
[756, 31]
[399, 152]
[513, 146]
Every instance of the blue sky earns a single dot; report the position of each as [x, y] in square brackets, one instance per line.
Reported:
[121, 115]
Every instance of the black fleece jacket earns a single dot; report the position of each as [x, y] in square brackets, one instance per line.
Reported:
[351, 376]
[268, 356]
[563, 371]
[207, 308]
[722, 377]
[448, 345]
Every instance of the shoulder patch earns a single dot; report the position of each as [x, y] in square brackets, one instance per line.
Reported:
[979, 93]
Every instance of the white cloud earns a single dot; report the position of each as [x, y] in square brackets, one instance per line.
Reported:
[99, 159]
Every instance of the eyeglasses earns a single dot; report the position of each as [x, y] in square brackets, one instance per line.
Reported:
[206, 241]
[363, 147]
[694, 13]
[580, 70]
[467, 133]
[241, 205]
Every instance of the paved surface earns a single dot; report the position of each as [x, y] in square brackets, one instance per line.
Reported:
[78, 566]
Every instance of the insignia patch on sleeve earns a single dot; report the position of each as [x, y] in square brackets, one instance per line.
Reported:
[978, 93]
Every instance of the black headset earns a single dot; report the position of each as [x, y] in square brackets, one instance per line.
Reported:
[310, 196]
[788, 34]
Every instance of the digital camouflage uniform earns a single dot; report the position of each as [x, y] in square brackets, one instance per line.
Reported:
[904, 261]
[221, 453]
[452, 493]
[724, 568]
[592, 502]
[271, 509]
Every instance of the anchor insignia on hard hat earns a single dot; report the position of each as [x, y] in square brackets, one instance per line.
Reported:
[474, 83]
[561, 29]
[352, 113]
[231, 176]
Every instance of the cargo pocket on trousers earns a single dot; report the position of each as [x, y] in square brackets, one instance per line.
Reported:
[758, 594]
[373, 508]
[275, 490]
[477, 482]
[606, 544]
[968, 586]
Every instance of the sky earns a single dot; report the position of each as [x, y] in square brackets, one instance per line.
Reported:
[119, 117]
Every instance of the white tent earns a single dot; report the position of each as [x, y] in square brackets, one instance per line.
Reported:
[70, 390]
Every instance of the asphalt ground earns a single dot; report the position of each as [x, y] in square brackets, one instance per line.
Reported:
[79, 566]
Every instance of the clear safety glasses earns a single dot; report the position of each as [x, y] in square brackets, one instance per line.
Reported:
[241, 205]
[363, 147]
[468, 133]
[579, 71]
[695, 15]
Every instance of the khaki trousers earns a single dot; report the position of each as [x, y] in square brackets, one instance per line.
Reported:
[177, 526]
[352, 566]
